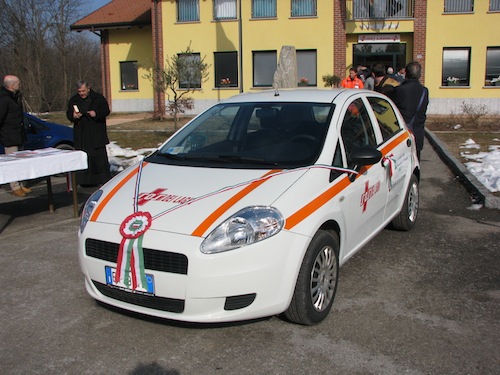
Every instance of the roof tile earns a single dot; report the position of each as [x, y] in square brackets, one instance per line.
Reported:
[117, 13]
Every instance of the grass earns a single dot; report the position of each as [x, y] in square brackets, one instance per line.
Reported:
[143, 133]
[454, 130]
[146, 133]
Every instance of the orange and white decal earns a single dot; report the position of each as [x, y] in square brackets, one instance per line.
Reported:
[318, 202]
[202, 228]
[110, 195]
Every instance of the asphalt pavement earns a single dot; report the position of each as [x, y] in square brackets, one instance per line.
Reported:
[420, 302]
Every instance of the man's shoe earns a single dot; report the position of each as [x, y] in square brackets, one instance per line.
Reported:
[18, 193]
[26, 189]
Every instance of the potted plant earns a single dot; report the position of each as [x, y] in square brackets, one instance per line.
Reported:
[303, 81]
[224, 82]
[331, 80]
[452, 81]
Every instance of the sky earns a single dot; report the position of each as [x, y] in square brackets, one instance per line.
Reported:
[96, 4]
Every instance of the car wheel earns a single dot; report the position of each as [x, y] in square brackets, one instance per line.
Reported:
[65, 146]
[406, 219]
[317, 281]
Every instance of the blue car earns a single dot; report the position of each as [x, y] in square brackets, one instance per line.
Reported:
[42, 134]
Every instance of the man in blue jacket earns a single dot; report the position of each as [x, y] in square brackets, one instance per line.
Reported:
[12, 134]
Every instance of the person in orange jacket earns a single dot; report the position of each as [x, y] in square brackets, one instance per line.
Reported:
[352, 82]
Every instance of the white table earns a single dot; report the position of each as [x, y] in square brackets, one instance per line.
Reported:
[30, 164]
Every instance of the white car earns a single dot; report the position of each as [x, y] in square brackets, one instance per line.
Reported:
[249, 210]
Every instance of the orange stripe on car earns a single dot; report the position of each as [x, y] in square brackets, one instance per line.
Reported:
[108, 197]
[229, 203]
[321, 200]
[317, 203]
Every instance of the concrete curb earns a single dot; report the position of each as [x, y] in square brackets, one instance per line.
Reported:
[470, 182]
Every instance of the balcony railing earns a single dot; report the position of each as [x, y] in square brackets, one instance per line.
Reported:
[379, 9]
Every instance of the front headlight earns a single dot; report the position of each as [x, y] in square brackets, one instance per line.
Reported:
[250, 225]
[88, 208]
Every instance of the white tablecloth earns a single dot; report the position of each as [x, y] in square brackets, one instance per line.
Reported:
[27, 165]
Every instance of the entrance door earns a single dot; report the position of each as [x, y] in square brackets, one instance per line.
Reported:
[387, 54]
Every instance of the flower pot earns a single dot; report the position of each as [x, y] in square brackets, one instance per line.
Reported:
[452, 83]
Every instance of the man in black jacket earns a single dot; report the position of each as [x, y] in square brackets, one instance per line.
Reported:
[12, 134]
[87, 110]
[412, 100]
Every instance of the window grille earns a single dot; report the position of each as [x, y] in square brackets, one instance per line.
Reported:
[224, 9]
[301, 8]
[263, 8]
[458, 6]
[188, 10]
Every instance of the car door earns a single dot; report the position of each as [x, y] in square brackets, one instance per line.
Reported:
[364, 198]
[396, 153]
[36, 134]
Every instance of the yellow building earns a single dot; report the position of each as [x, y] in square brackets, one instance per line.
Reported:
[241, 40]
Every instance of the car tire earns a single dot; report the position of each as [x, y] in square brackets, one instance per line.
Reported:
[317, 281]
[65, 146]
[406, 219]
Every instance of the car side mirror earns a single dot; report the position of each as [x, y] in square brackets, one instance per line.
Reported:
[364, 155]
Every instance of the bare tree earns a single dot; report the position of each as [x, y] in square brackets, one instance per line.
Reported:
[183, 74]
[36, 44]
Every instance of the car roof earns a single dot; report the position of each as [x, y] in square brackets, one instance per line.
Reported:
[313, 95]
[43, 121]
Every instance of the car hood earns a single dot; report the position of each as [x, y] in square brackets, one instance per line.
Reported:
[189, 200]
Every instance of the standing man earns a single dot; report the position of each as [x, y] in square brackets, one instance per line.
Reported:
[12, 134]
[87, 110]
[383, 82]
[412, 99]
[400, 74]
[352, 82]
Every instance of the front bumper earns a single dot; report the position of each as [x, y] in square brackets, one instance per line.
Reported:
[247, 283]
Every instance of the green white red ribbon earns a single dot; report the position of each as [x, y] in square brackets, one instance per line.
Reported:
[389, 162]
[130, 267]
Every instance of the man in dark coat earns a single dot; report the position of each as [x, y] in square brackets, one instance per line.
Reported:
[87, 110]
[412, 100]
[384, 83]
[12, 134]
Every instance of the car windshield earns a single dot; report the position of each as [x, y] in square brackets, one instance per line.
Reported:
[250, 135]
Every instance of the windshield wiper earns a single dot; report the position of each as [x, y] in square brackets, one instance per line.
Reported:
[171, 156]
[246, 160]
[227, 159]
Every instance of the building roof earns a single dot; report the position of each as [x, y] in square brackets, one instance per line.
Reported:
[117, 14]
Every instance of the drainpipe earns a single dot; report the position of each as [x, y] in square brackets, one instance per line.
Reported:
[240, 54]
[157, 95]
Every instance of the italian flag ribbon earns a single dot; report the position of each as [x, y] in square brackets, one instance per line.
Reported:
[389, 163]
[130, 267]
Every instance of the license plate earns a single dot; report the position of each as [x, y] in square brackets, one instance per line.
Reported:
[110, 280]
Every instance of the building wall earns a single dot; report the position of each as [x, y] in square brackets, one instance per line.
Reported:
[130, 45]
[208, 36]
[478, 30]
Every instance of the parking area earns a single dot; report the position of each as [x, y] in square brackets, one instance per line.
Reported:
[422, 302]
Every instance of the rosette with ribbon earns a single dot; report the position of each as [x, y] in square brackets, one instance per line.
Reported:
[389, 162]
[130, 254]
